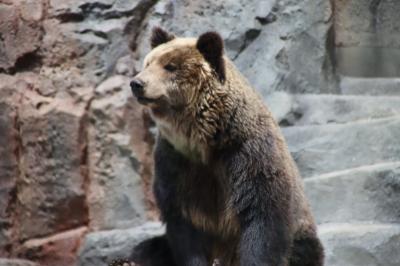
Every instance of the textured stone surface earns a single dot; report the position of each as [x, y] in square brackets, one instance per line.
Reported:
[100, 248]
[322, 149]
[95, 30]
[115, 192]
[9, 158]
[281, 105]
[16, 262]
[291, 53]
[367, 23]
[20, 29]
[309, 109]
[53, 145]
[367, 39]
[368, 193]
[279, 45]
[191, 18]
[57, 52]
[370, 86]
[59, 249]
[361, 244]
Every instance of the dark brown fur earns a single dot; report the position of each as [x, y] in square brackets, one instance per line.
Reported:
[160, 36]
[211, 47]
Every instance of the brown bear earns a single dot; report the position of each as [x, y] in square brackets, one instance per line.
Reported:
[226, 185]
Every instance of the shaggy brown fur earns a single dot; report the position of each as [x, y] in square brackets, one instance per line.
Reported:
[226, 183]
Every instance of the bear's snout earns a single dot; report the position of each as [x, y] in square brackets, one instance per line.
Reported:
[137, 87]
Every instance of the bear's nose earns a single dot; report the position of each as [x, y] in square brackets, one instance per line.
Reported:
[137, 87]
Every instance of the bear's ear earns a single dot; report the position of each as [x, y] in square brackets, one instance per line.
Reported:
[211, 46]
[159, 36]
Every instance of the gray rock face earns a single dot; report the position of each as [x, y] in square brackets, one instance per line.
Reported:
[270, 45]
[368, 193]
[115, 197]
[287, 49]
[97, 31]
[191, 18]
[322, 149]
[361, 244]
[100, 248]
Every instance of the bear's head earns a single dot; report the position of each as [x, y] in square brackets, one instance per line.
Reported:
[177, 71]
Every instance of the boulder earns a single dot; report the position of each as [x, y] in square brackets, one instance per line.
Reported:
[59, 249]
[100, 248]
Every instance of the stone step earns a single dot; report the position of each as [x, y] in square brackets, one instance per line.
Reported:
[314, 109]
[360, 194]
[101, 247]
[370, 86]
[327, 148]
[361, 244]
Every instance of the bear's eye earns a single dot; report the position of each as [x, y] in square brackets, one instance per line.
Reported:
[170, 67]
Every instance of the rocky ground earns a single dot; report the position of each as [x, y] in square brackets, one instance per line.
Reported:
[75, 164]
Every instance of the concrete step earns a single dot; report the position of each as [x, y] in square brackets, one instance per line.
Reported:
[362, 244]
[322, 149]
[367, 193]
[314, 109]
[370, 86]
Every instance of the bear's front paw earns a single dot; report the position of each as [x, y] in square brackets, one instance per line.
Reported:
[120, 262]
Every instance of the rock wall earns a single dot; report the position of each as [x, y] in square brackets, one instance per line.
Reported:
[75, 147]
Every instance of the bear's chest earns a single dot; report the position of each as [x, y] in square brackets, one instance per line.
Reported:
[204, 200]
[188, 146]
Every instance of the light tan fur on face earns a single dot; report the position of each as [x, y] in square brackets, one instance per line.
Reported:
[205, 104]
[176, 43]
[184, 89]
[158, 81]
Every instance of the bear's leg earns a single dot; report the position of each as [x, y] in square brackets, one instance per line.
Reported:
[307, 251]
[187, 243]
[153, 252]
